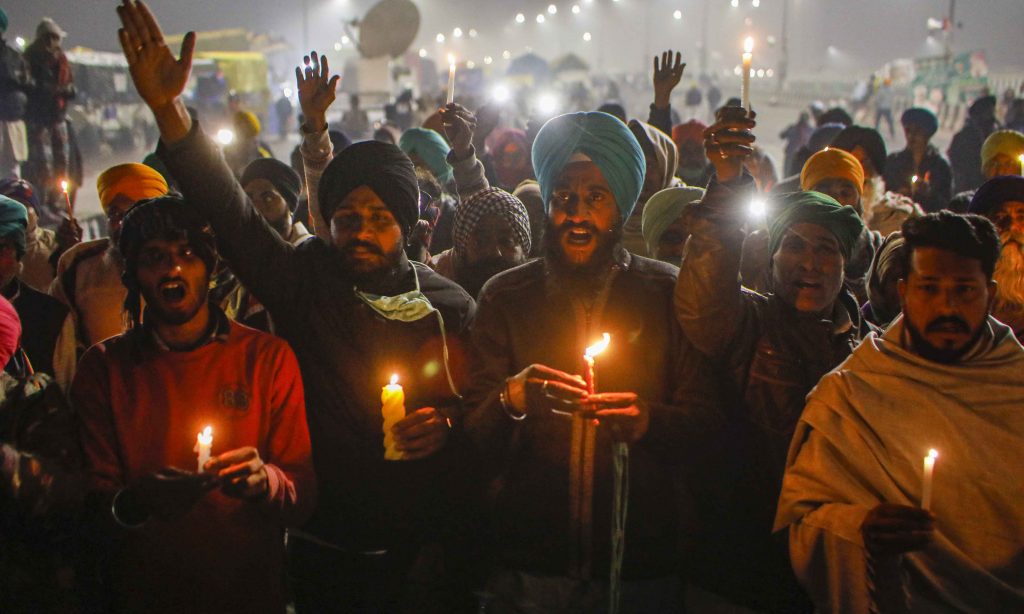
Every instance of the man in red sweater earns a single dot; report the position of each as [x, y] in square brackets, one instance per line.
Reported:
[181, 541]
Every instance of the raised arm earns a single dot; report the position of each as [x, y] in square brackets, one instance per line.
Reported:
[261, 259]
[460, 128]
[317, 90]
[667, 75]
[712, 307]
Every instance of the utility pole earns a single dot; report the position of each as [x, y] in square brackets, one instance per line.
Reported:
[949, 31]
[783, 49]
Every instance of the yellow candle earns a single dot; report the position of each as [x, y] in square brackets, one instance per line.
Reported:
[926, 483]
[748, 60]
[204, 441]
[451, 78]
[392, 400]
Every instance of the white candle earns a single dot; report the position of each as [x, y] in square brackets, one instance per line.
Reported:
[748, 60]
[67, 197]
[204, 441]
[392, 400]
[451, 79]
[926, 483]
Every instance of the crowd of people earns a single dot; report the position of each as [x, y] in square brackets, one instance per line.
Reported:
[595, 365]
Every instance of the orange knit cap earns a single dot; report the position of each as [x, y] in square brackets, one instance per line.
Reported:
[832, 163]
[133, 181]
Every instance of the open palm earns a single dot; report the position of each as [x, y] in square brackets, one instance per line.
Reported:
[159, 77]
[317, 89]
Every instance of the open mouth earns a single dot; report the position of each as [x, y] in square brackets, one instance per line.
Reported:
[172, 291]
[578, 236]
[807, 285]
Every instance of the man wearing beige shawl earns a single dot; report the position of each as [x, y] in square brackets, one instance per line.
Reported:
[945, 376]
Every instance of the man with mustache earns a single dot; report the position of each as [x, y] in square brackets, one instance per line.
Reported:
[946, 376]
[142, 396]
[1001, 200]
[356, 311]
[774, 347]
[547, 441]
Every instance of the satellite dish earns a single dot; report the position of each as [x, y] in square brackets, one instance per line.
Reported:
[388, 29]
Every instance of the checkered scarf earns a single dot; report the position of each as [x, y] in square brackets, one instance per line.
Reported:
[492, 200]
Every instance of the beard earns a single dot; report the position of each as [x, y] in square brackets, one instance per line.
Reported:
[590, 272]
[874, 190]
[472, 277]
[1009, 276]
[934, 353]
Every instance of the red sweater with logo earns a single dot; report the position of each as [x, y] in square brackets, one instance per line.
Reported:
[140, 409]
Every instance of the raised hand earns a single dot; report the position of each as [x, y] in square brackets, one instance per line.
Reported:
[317, 90]
[730, 141]
[667, 75]
[459, 125]
[159, 77]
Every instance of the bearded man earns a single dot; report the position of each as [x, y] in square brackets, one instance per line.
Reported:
[1002, 201]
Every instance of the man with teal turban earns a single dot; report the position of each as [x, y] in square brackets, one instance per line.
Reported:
[775, 347]
[529, 412]
[427, 149]
[664, 225]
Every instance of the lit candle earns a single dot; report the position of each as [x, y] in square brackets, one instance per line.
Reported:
[392, 400]
[913, 180]
[67, 197]
[589, 355]
[204, 441]
[451, 78]
[748, 60]
[926, 483]
[1020, 158]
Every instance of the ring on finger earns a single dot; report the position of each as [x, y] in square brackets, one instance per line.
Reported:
[544, 386]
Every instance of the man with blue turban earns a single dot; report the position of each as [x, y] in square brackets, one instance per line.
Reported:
[920, 171]
[774, 347]
[547, 436]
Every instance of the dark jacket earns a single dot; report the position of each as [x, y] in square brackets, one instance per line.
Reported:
[14, 82]
[527, 316]
[773, 356]
[42, 320]
[346, 353]
[965, 155]
[934, 187]
[52, 85]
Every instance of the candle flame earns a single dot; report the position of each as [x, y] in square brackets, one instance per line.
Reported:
[206, 437]
[64, 185]
[394, 379]
[933, 453]
[451, 60]
[598, 347]
[913, 179]
[748, 44]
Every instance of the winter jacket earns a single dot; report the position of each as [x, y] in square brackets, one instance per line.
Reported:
[773, 356]
[934, 186]
[52, 85]
[346, 353]
[14, 81]
[548, 518]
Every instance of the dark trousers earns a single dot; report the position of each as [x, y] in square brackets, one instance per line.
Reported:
[887, 115]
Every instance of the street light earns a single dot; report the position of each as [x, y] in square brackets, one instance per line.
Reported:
[552, 9]
[439, 38]
[520, 18]
[677, 14]
[586, 37]
[576, 9]
[540, 18]
[457, 32]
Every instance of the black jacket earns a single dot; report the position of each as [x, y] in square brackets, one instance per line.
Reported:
[42, 319]
[14, 83]
[934, 186]
[346, 353]
[527, 316]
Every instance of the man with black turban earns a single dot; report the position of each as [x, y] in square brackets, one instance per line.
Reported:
[920, 171]
[549, 444]
[357, 312]
[775, 347]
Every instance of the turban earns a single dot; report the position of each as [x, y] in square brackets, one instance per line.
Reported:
[492, 200]
[614, 109]
[663, 209]
[247, 124]
[383, 168]
[339, 140]
[888, 264]
[284, 179]
[994, 192]
[986, 105]
[823, 136]
[428, 146]
[134, 181]
[13, 222]
[690, 132]
[21, 191]
[820, 209]
[867, 139]
[659, 146]
[831, 163]
[3, 27]
[1009, 142]
[605, 140]
[10, 330]
[436, 123]
[154, 162]
[923, 118]
[48, 26]
[835, 115]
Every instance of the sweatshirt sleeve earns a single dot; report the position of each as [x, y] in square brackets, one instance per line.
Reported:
[292, 483]
[469, 175]
[317, 152]
[661, 118]
[712, 307]
[262, 260]
[97, 433]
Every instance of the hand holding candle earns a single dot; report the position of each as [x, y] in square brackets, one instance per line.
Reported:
[204, 441]
[589, 356]
[392, 399]
[67, 198]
